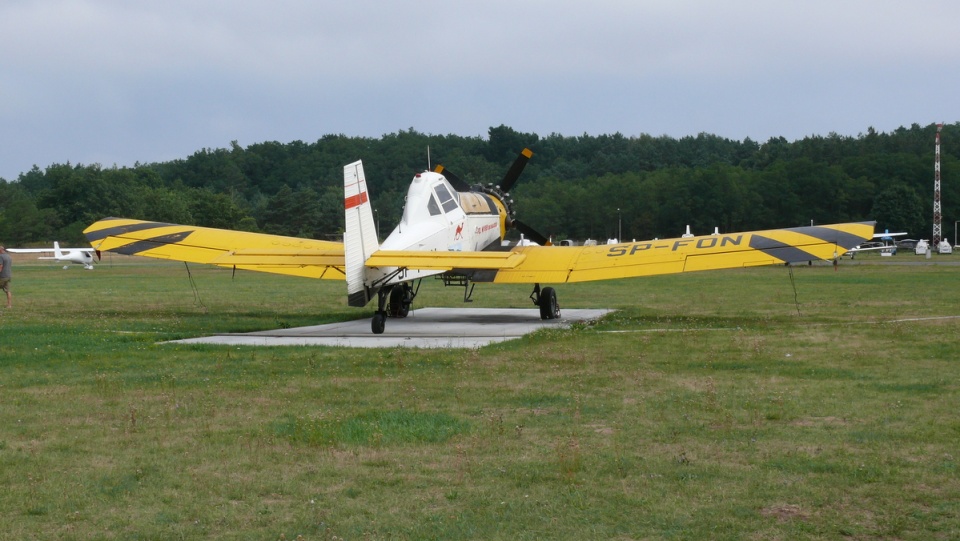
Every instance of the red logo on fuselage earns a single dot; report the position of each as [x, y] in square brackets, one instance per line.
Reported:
[484, 229]
[459, 234]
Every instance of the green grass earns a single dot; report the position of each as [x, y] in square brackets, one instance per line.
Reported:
[721, 405]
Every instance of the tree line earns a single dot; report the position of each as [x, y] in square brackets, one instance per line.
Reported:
[574, 187]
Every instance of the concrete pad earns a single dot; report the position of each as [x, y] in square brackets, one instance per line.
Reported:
[423, 328]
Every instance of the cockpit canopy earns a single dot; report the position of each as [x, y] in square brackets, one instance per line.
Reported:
[430, 195]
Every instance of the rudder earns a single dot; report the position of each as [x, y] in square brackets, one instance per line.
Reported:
[360, 234]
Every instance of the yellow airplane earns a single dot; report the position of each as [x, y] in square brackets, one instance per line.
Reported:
[452, 229]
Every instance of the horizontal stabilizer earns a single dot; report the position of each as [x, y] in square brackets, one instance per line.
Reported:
[445, 260]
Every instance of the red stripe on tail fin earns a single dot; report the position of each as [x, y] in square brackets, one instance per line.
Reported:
[355, 200]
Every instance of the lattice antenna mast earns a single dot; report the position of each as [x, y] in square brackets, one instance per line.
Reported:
[937, 214]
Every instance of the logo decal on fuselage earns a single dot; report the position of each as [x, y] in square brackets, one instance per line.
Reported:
[484, 228]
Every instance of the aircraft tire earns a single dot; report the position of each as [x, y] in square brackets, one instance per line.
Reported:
[548, 304]
[399, 305]
[378, 323]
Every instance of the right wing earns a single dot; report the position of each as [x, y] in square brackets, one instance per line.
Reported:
[225, 248]
[546, 264]
[559, 264]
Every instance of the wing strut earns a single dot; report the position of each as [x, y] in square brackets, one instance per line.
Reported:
[193, 285]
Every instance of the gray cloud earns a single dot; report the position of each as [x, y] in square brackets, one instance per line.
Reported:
[120, 82]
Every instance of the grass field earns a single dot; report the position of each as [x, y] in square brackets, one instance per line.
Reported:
[738, 404]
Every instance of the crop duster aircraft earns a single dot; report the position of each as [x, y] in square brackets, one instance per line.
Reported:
[455, 230]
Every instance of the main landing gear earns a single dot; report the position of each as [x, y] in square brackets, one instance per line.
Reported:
[546, 299]
[393, 301]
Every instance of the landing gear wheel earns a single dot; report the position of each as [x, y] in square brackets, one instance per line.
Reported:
[400, 300]
[549, 309]
[379, 322]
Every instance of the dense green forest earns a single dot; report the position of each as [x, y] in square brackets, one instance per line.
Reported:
[574, 187]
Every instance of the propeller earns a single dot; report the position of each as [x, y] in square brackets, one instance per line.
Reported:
[458, 183]
[509, 179]
[531, 233]
[514, 172]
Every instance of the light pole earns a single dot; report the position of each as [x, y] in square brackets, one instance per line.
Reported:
[619, 227]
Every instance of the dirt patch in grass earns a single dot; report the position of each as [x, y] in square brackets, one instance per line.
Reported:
[820, 421]
[784, 512]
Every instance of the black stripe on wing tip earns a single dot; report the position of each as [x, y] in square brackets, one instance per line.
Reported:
[121, 229]
[139, 246]
[832, 236]
[779, 250]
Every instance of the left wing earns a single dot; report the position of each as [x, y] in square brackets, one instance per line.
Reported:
[239, 249]
[559, 264]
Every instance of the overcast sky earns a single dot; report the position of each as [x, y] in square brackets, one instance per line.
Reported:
[117, 82]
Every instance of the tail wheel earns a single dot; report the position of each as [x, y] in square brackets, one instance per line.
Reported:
[379, 322]
[549, 309]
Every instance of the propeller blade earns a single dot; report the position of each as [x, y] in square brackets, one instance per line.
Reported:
[531, 233]
[514, 172]
[455, 181]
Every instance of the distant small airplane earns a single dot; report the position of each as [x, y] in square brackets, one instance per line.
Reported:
[887, 235]
[886, 244]
[80, 256]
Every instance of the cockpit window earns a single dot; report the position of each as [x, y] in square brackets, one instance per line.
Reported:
[433, 207]
[446, 199]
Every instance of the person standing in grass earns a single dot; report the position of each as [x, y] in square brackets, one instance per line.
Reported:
[6, 274]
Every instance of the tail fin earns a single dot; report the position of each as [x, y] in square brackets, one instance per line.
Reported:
[56, 250]
[360, 233]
